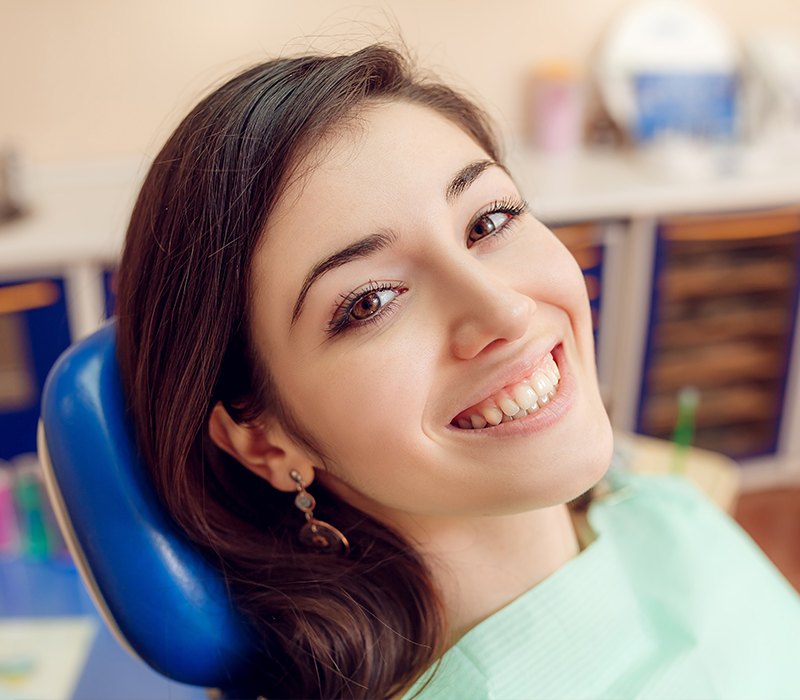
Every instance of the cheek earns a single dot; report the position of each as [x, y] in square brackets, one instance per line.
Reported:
[367, 399]
[578, 295]
[549, 273]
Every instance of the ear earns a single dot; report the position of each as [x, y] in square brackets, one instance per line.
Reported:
[266, 450]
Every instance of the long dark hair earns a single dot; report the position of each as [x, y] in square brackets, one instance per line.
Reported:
[365, 625]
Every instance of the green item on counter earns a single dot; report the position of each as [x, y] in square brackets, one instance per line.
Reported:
[683, 437]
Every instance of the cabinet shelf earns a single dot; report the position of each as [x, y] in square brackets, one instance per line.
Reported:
[738, 323]
[722, 321]
[722, 406]
[745, 277]
[713, 365]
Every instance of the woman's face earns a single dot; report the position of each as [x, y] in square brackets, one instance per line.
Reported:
[402, 294]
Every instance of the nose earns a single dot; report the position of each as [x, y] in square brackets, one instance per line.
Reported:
[489, 312]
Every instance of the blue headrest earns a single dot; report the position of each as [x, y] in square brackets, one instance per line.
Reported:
[170, 605]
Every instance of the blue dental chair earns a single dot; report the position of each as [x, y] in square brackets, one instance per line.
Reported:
[161, 598]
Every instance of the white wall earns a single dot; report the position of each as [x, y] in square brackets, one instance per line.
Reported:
[82, 79]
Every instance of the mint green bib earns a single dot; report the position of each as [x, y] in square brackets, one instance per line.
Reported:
[672, 601]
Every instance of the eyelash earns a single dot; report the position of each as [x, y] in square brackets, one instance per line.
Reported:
[341, 321]
[511, 206]
[341, 318]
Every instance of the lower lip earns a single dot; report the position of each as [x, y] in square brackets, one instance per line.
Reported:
[547, 415]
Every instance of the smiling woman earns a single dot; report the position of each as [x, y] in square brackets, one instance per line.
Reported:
[331, 283]
[431, 290]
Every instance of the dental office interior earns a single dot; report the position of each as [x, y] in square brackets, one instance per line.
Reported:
[659, 139]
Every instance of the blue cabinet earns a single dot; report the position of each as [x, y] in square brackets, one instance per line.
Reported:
[34, 330]
[722, 320]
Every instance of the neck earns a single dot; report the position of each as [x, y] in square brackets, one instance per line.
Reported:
[482, 564]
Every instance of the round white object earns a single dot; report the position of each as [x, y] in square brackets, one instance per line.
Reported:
[656, 36]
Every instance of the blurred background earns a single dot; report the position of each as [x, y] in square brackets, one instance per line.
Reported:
[660, 139]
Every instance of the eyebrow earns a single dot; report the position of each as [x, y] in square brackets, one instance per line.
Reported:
[465, 177]
[360, 249]
[365, 247]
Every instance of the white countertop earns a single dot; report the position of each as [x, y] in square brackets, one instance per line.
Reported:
[608, 185]
[76, 214]
[79, 213]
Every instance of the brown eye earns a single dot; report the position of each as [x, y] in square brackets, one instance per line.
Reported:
[371, 303]
[487, 225]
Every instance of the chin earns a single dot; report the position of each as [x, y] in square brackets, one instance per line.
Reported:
[596, 459]
[582, 463]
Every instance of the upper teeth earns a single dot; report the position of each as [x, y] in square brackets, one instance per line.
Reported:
[515, 401]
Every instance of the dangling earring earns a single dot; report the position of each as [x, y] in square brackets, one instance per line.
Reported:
[317, 534]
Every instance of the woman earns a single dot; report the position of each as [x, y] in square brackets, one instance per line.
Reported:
[332, 286]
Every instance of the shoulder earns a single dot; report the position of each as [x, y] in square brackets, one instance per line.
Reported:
[671, 600]
[692, 560]
[699, 578]
[666, 519]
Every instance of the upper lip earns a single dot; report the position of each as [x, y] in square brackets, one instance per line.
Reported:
[503, 373]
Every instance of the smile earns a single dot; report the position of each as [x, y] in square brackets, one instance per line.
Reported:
[515, 401]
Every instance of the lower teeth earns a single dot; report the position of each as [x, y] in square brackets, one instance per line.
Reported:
[466, 424]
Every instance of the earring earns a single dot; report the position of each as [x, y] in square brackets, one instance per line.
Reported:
[316, 534]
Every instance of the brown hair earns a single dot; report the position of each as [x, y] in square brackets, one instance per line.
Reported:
[365, 625]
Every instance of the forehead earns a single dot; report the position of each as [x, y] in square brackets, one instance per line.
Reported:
[377, 172]
[384, 150]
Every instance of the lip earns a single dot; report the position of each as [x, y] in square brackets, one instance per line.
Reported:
[550, 413]
[511, 373]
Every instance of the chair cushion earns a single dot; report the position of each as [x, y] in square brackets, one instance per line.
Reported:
[168, 602]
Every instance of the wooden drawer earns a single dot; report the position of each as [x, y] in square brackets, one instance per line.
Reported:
[722, 320]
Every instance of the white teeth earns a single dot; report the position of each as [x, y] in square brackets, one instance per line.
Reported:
[549, 395]
[508, 406]
[477, 421]
[541, 384]
[521, 400]
[493, 415]
[524, 396]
